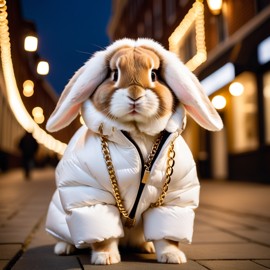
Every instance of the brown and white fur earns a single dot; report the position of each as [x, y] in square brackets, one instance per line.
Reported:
[137, 86]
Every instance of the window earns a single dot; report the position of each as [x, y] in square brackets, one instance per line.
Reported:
[221, 26]
[170, 11]
[158, 27]
[148, 23]
[188, 48]
[242, 116]
[266, 96]
[140, 29]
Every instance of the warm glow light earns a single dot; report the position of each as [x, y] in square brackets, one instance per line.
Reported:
[82, 121]
[236, 89]
[13, 94]
[30, 43]
[194, 16]
[266, 91]
[28, 88]
[219, 102]
[39, 119]
[37, 111]
[215, 6]
[28, 93]
[43, 68]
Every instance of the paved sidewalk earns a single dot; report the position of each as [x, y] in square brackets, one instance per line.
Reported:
[232, 229]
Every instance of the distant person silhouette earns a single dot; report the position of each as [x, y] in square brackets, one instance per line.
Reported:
[28, 147]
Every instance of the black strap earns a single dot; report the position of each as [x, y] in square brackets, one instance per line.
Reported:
[165, 136]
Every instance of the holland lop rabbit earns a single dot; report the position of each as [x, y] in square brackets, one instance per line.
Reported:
[129, 161]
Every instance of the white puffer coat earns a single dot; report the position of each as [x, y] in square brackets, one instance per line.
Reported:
[83, 208]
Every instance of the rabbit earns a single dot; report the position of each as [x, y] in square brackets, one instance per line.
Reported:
[133, 97]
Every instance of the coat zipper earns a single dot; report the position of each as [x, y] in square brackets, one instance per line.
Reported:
[166, 134]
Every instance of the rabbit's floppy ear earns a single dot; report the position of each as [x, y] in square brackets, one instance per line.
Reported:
[189, 91]
[80, 87]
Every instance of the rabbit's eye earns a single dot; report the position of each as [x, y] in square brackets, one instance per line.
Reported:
[153, 75]
[115, 75]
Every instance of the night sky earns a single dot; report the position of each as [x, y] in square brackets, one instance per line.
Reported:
[69, 33]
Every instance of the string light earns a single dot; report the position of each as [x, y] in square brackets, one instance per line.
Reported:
[13, 94]
[194, 16]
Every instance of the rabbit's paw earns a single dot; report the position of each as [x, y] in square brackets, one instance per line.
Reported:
[168, 252]
[63, 248]
[173, 257]
[105, 257]
[105, 252]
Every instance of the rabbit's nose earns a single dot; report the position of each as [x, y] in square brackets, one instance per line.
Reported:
[135, 93]
[134, 99]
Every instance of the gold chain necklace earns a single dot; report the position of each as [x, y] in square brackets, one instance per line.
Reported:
[149, 160]
[130, 222]
[169, 172]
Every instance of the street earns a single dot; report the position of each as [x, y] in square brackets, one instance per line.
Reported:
[232, 228]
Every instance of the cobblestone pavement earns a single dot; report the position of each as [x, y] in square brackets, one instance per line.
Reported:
[232, 228]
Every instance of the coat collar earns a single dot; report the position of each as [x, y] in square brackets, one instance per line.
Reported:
[94, 120]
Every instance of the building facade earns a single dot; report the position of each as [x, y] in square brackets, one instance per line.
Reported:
[229, 52]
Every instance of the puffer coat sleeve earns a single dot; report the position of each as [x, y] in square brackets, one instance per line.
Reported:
[174, 219]
[87, 206]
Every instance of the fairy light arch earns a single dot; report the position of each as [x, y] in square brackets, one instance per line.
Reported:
[13, 94]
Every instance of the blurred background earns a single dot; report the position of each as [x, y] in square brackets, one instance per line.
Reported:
[225, 43]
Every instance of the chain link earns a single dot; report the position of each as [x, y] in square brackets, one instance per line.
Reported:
[111, 171]
[169, 171]
[153, 152]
